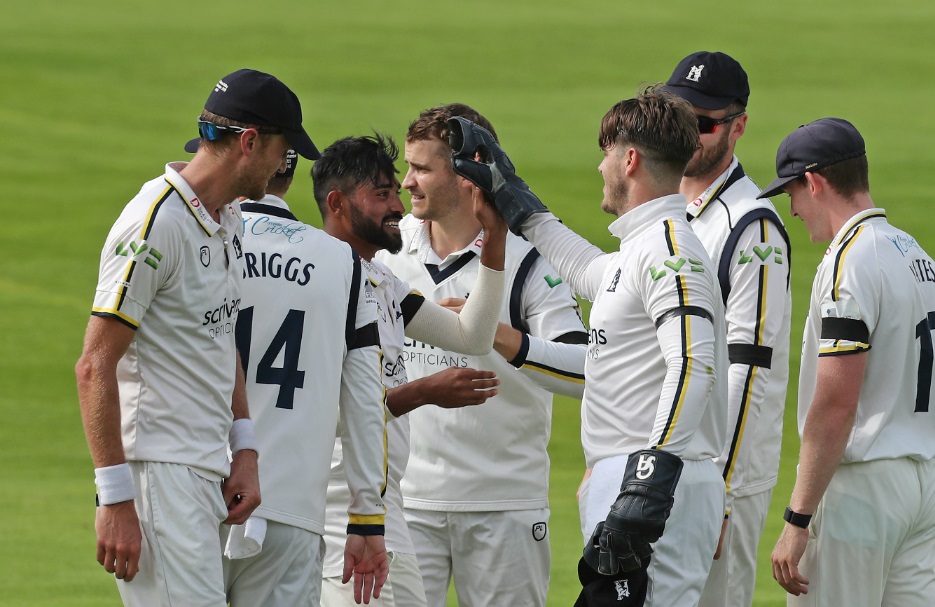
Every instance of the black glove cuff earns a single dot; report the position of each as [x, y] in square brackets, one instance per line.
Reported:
[658, 469]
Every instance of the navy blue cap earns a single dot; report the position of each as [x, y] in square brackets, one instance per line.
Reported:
[814, 146]
[711, 81]
[260, 99]
[291, 160]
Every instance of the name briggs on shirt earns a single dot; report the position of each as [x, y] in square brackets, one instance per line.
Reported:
[272, 267]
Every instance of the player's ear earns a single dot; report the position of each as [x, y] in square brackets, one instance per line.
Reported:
[816, 183]
[631, 160]
[249, 140]
[337, 203]
[739, 126]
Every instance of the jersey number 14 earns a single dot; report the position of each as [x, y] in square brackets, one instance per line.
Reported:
[288, 339]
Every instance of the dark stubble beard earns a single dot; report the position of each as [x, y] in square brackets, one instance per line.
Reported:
[710, 158]
[373, 233]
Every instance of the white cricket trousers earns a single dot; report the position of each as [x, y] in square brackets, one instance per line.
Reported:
[683, 555]
[497, 559]
[180, 515]
[733, 576]
[287, 571]
[871, 542]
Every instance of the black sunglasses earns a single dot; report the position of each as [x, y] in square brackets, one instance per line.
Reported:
[212, 132]
[708, 125]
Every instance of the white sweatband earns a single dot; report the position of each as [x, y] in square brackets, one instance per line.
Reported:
[242, 436]
[114, 484]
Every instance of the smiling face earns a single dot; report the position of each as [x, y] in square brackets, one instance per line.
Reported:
[375, 210]
[430, 180]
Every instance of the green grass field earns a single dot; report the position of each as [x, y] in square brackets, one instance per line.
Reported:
[96, 96]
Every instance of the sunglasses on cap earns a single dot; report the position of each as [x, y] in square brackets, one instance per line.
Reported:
[212, 132]
[708, 125]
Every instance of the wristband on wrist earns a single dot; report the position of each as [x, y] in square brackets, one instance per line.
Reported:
[242, 436]
[794, 518]
[114, 484]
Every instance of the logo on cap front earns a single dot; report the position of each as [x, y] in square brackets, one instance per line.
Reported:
[220, 87]
[623, 589]
[694, 74]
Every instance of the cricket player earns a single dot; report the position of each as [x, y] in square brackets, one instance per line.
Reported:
[476, 488]
[749, 247]
[860, 525]
[308, 338]
[654, 413]
[158, 378]
[358, 195]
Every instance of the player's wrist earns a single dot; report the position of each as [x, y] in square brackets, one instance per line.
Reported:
[796, 519]
[114, 484]
[243, 436]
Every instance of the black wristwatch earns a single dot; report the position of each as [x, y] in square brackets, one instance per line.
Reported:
[794, 518]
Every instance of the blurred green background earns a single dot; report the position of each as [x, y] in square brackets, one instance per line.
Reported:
[96, 96]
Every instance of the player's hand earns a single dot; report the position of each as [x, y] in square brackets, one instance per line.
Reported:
[119, 539]
[457, 387]
[638, 517]
[486, 213]
[720, 540]
[365, 559]
[786, 556]
[476, 156]
[241, 489]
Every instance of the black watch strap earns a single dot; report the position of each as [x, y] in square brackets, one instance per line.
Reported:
[794, 518]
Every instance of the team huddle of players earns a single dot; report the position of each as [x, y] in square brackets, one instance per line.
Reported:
[274, 410]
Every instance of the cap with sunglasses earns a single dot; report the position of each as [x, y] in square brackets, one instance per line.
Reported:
[814, 146]
[711, 81]
[259, 99]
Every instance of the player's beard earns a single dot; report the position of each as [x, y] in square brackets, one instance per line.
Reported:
[252, 183]
[373, 233]
[617, 200]
[710, 158]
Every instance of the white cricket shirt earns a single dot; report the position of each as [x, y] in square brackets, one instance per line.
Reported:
[758, 316]
[875, 291]
[308, 337]
[493, 456]
[389, 293]
[655, 373]
[172, 273]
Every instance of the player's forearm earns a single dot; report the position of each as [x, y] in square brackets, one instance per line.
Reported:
[100, 410]
[470, 332]
[552, 365]
[400, 400]
[571, 255]
[688, 347]
[363, 433]
[239, 406]
[827, 428]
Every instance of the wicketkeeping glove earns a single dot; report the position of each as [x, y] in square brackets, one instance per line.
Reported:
[638, 517]
[494, 174]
